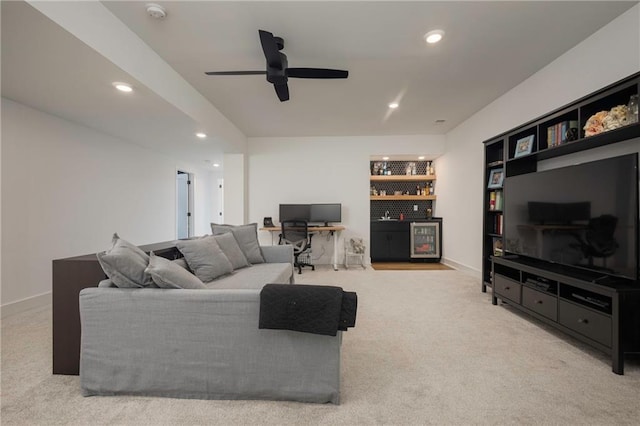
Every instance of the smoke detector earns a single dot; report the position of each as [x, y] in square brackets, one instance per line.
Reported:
[156, 11]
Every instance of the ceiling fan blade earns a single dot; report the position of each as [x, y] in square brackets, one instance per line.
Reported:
[282, 90]
[235, 72]
[316, 73]
[270, 49]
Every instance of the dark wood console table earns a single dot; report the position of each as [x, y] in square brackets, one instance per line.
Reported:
[71, 275]
[602, 312]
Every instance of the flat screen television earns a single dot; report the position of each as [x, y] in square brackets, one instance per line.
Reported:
[295, 212]
[326, 213]
[583, 216]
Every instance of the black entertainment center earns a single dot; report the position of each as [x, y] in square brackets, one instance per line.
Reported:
[562, 244]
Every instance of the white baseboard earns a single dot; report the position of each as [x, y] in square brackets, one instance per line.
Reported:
[463, 268]
[23, 305]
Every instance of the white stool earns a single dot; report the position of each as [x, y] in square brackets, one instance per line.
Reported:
[354, 248]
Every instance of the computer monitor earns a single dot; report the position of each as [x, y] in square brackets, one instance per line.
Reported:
[326, 213]
[295, 212]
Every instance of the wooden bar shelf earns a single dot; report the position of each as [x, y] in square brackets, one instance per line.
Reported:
[401, 178]
[402, 197]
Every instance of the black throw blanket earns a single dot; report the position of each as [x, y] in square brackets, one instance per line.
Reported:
[314, 309]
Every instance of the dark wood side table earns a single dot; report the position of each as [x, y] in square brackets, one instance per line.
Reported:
[70, 276]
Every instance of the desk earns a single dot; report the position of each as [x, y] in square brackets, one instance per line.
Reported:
[334, 230]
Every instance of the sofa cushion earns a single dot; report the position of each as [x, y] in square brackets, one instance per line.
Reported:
[205, 258]
[231, 249]
[124, 263]
[167, 274]
[254, 277]
[247, 237]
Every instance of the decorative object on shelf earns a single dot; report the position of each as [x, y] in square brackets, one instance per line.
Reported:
[571, 134]
[524, 146]
[497, 246]
[495, 178]
[632, 109]
[607, 120]
[411, 168]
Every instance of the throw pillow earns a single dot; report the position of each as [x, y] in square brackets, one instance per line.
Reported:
[247, 238]
[231, 249]
[124, 263]
[205, 258]
[168, 274]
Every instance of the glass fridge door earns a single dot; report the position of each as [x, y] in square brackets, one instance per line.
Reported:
[425, 240]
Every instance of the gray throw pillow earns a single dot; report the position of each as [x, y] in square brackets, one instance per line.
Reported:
[168, 274]
[247, 238]
[231, 249]
[205, 258]
[124, 263]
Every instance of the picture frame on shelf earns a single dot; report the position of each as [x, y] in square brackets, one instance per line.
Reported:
[496, 177]
[524, 146]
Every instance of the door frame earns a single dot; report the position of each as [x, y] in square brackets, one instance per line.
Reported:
[190, 203]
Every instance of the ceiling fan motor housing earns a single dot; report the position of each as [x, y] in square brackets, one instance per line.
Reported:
[278, 75]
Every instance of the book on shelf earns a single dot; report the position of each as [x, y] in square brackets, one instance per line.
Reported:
[497, 224]
[495, 200]
[561, 133]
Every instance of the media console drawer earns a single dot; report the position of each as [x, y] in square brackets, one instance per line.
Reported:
[586, 322]
[541, 303]
[507, 288]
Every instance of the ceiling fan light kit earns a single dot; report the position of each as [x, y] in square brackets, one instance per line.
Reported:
[278, 71]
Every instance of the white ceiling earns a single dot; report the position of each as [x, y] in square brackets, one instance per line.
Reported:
[489, 47]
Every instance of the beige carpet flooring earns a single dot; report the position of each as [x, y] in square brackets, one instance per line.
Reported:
[428, 348]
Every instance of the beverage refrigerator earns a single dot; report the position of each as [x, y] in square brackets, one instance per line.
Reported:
[426, 240]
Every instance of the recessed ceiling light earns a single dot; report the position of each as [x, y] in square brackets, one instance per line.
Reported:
[201, 135]
[421, 157]
[393, 105]
[123, 87]
[385, 158]
[434, 36]
[216, 165]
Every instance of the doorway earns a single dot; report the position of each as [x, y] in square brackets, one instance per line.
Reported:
[184, 204]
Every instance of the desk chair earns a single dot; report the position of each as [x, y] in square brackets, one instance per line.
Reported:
[296, 233]
[599, 239]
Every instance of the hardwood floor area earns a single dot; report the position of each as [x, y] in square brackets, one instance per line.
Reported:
[408, 266]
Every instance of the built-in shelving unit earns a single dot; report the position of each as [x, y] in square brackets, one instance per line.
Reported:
[405, 189]
[599, 310]
[560, 132]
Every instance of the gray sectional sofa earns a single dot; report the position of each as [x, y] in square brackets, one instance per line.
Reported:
[203, 343]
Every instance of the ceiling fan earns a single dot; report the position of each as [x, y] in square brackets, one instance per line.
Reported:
[278, 71]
